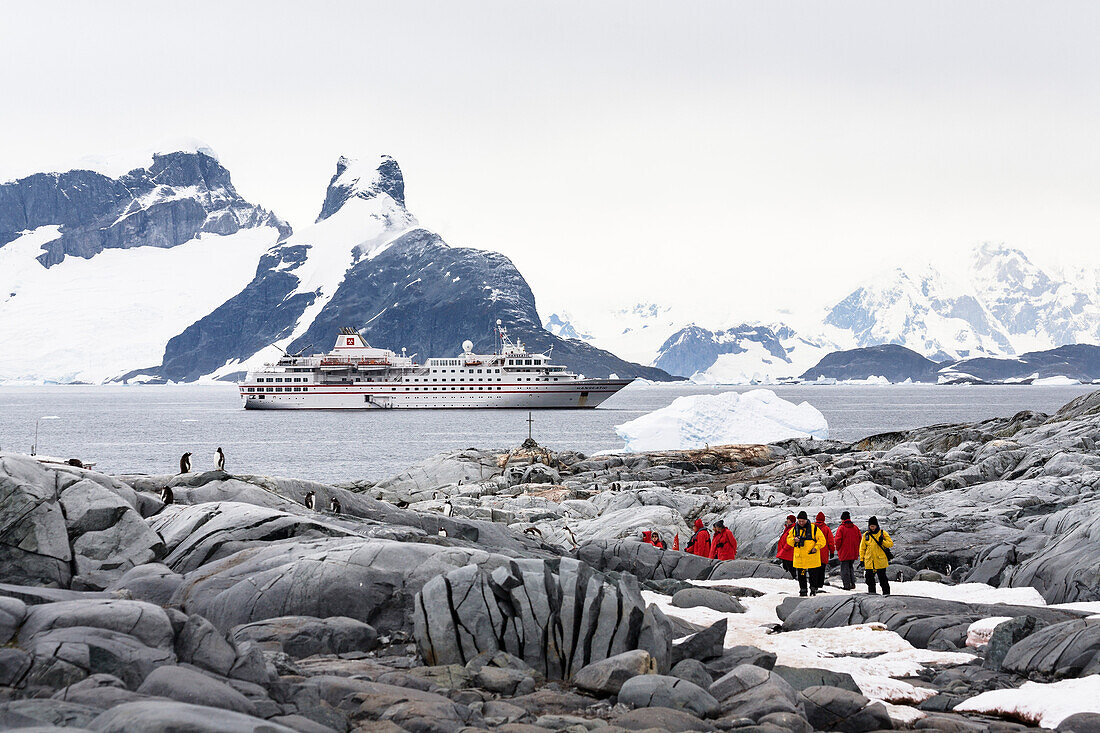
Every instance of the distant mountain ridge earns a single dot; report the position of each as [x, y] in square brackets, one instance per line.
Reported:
[998, 305]
[896, 363]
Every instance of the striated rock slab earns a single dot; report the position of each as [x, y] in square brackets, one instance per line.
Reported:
[558, 616]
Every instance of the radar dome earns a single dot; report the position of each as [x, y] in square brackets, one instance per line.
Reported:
[467, 346]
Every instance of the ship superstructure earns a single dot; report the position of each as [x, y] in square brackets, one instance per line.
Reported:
[355, 375]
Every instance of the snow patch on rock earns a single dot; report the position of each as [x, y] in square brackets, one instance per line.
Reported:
[1043, 704]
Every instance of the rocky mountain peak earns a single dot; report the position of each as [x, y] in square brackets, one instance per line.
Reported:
[363, 179]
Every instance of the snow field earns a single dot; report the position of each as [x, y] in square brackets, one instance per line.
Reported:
[830, 648]
[840, 649]
[1043, 704]
[94, 319]
[694, 421]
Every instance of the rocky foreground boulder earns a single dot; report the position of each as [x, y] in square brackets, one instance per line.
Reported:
[558, 616]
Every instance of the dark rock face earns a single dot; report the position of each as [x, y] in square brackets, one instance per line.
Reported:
[176, 198]
[388, 180]
[894, 362]
[558, 616]
[1006, 635]
[1067, 649]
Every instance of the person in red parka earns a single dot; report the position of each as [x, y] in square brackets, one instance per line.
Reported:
[847, 539]
[785, 552]
[700, 541]
[656, 541]
[723, 546]
[817, 577]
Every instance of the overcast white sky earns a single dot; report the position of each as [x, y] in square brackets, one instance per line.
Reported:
[731, 158]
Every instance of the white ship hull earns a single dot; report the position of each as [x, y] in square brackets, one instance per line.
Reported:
[586, 393]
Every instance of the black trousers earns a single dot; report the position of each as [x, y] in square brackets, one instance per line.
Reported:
[847, 574]
[882, 579]
[817, 577]
[804, 581]
[788, 565]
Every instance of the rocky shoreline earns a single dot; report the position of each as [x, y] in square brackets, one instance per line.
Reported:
[506, 590]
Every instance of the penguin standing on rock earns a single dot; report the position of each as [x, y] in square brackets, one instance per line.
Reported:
[219, 459]
[166, 495]
[311, 501]
[185, 463]
[334, 505]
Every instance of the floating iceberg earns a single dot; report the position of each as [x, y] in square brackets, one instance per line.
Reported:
[694, 421]
[1058, 381]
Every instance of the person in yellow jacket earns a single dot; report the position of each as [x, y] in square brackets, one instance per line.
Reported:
[875, 556]
[807, 541]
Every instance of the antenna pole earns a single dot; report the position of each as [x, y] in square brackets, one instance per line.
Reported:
[530, 423]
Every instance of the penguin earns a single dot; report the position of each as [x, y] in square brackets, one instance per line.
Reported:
[334, 505]
[185, 463]
[311, 500]
[219, 459]
[166, 495]
[533, 531]
[448, 508]
[572, 537]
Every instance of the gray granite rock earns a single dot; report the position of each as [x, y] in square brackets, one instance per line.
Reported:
[748, 691]
[802, 677]
[832, 708]
[304, 636]
[201, 644]
[708, 598]
[34, 542]
[157, 716]
[694, 671]
[607, 676]
[656, 690]
[190, 686]
[710, 643]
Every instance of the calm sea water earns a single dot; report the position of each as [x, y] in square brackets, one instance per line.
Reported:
[144, 429]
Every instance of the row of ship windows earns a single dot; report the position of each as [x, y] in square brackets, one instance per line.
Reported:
[257, 390]
[369, 379]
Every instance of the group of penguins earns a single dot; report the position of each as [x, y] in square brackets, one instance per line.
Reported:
[219, 461]
[167, 497]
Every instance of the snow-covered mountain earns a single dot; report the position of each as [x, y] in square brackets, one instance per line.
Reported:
[998, 304]
[97, 272]
[366, 263]
[163, 271]
[635, 331]
[741, 354]
[921, 310]
[1038, 310]
[1003, 304]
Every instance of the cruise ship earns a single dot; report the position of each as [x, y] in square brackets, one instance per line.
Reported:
[357, 376]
